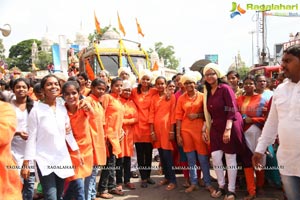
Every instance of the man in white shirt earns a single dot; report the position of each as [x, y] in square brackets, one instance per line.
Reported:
[284, 120]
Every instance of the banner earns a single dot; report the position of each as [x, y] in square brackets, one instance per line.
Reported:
[56, 57]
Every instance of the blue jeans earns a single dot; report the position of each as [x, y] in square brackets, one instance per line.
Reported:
[204, 164]
[291, 185]
[167, 164]
[52, 185]
[90, 184]
[75, 190]
[107, 177]
[28, 187]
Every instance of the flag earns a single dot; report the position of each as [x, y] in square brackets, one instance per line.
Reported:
[121, 26]
[97, 24]
[89, 70]
[155, 67]
[139, 28]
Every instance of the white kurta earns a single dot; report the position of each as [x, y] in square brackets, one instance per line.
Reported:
[284, 119]
[18, 144]
[47, 140]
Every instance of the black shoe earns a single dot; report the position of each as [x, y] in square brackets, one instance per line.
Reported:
[134, 174]
[150, 181]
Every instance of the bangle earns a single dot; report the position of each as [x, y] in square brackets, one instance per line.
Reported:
[227, 129]
[172, 132]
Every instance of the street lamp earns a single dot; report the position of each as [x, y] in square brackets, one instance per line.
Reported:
[5, 30]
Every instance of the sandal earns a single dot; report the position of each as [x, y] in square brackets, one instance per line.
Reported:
[201, 182]
[250, 197]
[130, 186]
[163, 182]
[116, 192]
[217, 193]
[186, 184]
[190, 189]
[106, 196]
[171, 186]
[230, 196]
[211, 189]
[119, 187]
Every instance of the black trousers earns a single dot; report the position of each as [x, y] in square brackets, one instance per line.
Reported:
[144, 158]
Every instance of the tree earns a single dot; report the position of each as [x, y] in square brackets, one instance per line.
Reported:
[44, 59]
[167, 53]
[20, 54]
[243, 72]
[96, 36]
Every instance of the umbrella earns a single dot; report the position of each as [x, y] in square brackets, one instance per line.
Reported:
[199, 65]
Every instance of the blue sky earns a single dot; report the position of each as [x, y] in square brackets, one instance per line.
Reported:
[193, 27]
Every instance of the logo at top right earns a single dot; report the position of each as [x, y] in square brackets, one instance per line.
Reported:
[236, 10]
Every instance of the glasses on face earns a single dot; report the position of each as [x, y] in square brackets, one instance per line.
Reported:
[210, 74]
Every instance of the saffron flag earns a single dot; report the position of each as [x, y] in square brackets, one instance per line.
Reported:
[89, 70]
[97, 24]
[155, 67]
[121, 26]
[139, 28]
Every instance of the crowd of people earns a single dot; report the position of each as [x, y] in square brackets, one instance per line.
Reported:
[63, 131]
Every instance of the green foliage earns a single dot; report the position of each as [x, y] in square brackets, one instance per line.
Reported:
[44, 59]
[167, 53]
[243, 71]
[20, 54]
[96, 36]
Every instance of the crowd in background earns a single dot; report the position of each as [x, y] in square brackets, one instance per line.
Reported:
[66, 130]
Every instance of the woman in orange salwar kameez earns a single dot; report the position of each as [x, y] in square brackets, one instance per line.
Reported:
[142, 98]
[10, 182]
[130, 121]
[162, 120]
[79, 115]
[114, 113]
[251, 105]
[189, 116]
[98, 88]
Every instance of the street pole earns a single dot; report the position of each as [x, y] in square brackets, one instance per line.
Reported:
[252, 45]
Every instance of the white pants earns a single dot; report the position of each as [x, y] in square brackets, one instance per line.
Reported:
[251, 135]
[219, 169]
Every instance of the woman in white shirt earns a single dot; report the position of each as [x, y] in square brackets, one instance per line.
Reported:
[48, 130]
[22, 105]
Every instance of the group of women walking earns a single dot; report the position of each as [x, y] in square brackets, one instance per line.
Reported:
[72, 132]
